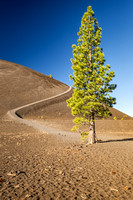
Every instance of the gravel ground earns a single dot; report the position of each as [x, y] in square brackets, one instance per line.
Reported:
[36, 165]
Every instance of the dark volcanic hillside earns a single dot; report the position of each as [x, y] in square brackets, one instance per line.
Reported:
[20, 85]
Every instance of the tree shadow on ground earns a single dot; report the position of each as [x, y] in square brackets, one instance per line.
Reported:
[116, 140]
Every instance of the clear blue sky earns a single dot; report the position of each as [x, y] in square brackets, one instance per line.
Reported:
[39, 34]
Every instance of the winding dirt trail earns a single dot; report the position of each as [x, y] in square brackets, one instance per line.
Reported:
[14, 116]
[39, 126]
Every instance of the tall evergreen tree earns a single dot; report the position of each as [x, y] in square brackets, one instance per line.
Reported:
[91, 78]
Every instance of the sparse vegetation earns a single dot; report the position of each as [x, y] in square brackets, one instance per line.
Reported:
[50, 76]
[84, 136]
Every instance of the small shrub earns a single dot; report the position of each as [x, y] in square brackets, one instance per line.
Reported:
[50, 76]
[84, 136]
[115, 118]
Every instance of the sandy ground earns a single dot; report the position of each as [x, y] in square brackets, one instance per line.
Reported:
[36, 165]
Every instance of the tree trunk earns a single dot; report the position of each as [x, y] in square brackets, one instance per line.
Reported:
[92, 134]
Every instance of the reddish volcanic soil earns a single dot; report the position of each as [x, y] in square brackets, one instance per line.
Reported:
[47, 161]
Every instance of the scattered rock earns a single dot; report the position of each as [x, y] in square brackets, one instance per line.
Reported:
[9, 157]
[16, 186]
[112, 172]
[127, 188]
[11, 174]
[113, 189]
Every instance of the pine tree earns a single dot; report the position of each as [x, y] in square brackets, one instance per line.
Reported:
[91, 78]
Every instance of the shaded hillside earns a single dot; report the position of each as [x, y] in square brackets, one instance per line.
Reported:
[55, 113]
[20, 85]
[58, 109]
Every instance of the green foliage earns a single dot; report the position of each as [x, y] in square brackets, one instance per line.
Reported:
[91, 78]
[84, 136]
[115, 118]
[50, 76]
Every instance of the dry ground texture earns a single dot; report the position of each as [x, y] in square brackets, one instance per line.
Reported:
[53, 163]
